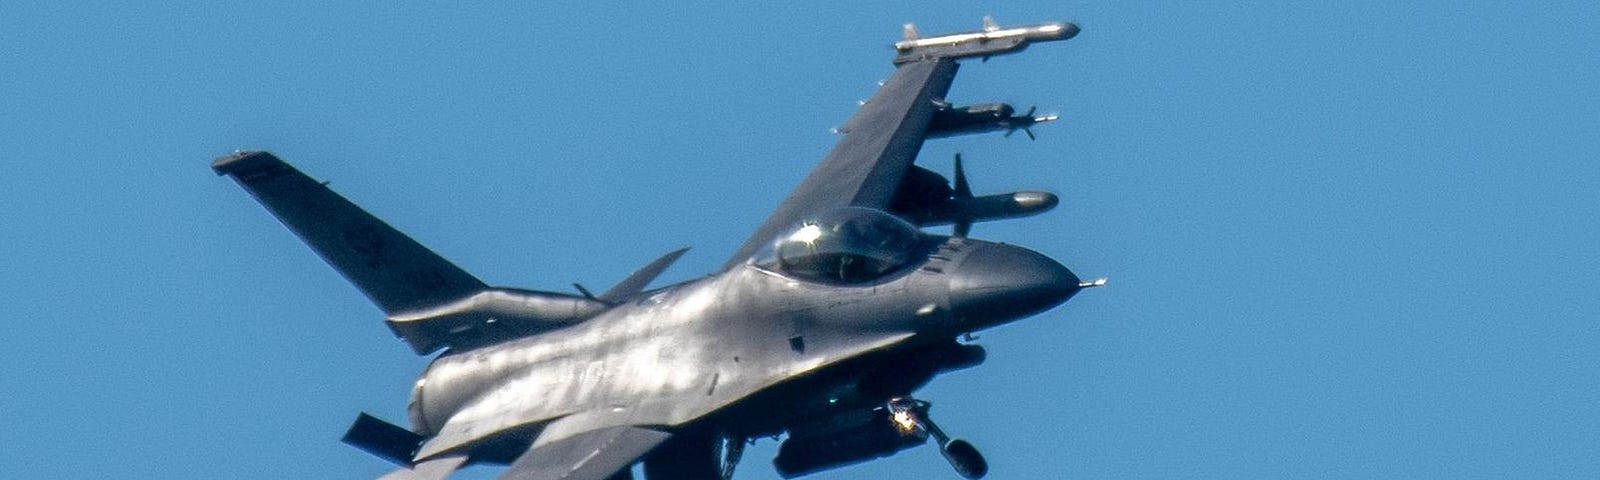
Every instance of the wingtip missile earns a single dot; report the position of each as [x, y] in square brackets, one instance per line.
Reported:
[990, 41]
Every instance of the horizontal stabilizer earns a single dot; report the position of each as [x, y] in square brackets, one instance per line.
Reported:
[382, 439]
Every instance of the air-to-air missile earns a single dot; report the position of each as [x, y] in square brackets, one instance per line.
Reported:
[992, 40]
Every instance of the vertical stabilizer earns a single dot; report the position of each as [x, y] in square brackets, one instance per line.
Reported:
[641, 278]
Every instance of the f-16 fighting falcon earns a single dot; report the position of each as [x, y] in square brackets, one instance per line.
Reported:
[818, 329]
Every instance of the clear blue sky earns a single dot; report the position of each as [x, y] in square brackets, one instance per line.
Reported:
[1345, 239]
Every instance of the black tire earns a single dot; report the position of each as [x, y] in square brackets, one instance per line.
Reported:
[966, 459]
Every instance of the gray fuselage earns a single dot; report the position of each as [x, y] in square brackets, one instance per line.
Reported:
[727, 336]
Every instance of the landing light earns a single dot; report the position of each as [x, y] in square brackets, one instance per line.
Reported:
[807, 234]
[905, 422]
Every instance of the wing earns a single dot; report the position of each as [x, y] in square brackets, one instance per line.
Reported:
[393, 270]
[866, 167]
[430, 302]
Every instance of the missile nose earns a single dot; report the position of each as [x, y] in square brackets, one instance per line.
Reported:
[1069, 30]
[1035, 201]
[998, 283]
[1058, 31]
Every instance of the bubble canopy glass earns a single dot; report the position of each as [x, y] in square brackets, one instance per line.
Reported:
[843, 246]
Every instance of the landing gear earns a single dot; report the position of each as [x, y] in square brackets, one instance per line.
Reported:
[732, 449]
[911, 417]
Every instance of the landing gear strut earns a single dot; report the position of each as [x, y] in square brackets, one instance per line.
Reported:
[731, 449]
[911, 417]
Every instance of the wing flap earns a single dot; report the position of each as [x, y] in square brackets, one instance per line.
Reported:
[434, 469]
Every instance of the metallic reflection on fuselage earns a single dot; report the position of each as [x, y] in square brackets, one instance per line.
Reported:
[731, 335]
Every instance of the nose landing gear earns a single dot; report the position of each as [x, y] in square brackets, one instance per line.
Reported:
[732, 449]
[911, 417]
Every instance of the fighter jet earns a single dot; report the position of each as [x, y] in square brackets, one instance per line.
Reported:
[817, 330]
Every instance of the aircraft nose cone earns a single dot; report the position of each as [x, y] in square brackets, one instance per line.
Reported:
[998, 283]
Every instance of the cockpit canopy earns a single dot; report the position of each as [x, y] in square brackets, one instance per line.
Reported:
[849, 245]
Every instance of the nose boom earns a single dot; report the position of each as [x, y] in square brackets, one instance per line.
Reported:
[998, 283]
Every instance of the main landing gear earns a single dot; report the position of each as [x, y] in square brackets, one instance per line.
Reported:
[911, 417]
